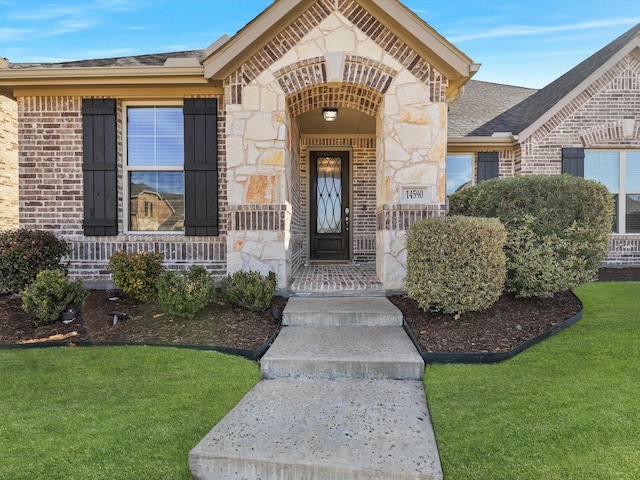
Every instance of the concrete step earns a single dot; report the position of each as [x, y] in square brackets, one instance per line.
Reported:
[341, 311]
[343, 352]
[334, 429]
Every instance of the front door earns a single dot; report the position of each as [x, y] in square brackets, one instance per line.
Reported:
[329, 201]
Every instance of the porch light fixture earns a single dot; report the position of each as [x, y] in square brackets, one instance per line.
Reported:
[329, 114]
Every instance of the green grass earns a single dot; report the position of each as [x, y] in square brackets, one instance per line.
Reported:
[112, 413]
[568, 408]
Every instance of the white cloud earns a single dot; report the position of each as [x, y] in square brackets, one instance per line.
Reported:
[528, 30]
[14, 34]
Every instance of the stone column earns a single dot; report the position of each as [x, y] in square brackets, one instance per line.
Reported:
[411, 171]
[258, 196]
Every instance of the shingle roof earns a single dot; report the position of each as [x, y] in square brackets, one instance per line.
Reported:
[479, 104]
[152, 60]
[536, 105]
[482, 117]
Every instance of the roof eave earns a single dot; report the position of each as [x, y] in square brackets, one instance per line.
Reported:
[498, 141]
[445, 57]
[233, 52]
[11, 79]
[633, 45]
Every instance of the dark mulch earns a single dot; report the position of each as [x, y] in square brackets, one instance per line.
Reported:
[502, 327]
[218, 325]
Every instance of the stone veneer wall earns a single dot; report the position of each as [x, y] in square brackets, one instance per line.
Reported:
[334, 53]
[50, 158]
[8, 163]
[604, 115]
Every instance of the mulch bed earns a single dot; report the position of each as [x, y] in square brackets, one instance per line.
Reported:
[500, 328]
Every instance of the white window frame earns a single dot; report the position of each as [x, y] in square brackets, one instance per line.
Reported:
[126, 169]
[622, 188]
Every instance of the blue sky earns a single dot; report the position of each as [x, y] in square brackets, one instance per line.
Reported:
[518, 42]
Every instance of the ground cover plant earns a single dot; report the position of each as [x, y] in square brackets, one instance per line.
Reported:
[112, 413]
[566, 409]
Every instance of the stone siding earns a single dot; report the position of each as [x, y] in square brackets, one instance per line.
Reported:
[50, 158]
[334, 54]
[8, 163]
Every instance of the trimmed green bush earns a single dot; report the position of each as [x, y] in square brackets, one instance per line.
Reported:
[186, 293]
[249, 290]
[455, 264]
[136, 274]
[50, 294]
[557, 228]
[24, 253]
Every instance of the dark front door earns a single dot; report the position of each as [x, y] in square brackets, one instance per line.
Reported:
[329, 205]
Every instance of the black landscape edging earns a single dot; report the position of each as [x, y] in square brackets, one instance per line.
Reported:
[491, 357]
[254, 355]
[619, 279]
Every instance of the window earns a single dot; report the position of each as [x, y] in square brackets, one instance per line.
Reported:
[154, 168]
[619, 171]
[459, 172]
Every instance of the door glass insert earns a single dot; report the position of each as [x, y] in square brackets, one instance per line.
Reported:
[329, 196]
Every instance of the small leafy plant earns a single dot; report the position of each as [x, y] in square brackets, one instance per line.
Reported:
[24, 253]
[249, 290]
[50, 294]
[186, 293]
[136, 274]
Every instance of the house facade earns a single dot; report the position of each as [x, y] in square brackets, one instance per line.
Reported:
[317, 134]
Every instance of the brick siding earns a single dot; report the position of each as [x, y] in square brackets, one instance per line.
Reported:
[594, 119]
[363, 191]
[50, 159]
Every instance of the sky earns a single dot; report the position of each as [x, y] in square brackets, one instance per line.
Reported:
[518, 42]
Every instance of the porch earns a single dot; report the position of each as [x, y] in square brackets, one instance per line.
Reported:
[335, 279]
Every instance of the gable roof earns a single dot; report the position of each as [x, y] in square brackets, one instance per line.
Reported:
[227, 55]
[472, 117]
[571, 83]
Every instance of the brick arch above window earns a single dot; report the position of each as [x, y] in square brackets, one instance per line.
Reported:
[357, 97]
[607, 133]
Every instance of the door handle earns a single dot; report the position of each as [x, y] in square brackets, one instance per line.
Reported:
[346, 218]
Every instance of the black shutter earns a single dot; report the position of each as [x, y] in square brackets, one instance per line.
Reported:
[201, 166]
[573, 161]
[99, 161]
[488, 163]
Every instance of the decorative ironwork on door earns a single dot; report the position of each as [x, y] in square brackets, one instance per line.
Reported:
[329, 196]
[330, 205]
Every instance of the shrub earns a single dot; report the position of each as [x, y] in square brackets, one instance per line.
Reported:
[136, 274]
[249, 290]
[50, 294]
[24, 253]
[186, 293]
[557, 227]
[455, 264]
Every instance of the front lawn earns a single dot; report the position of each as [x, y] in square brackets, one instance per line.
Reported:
[112, 413]
[567, 409]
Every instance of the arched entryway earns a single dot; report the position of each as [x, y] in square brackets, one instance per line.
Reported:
[334, 188]
[333, 174]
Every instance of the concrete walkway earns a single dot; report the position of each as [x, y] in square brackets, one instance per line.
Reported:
[342, 398]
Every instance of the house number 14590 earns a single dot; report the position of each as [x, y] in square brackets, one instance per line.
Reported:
[414, 195]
